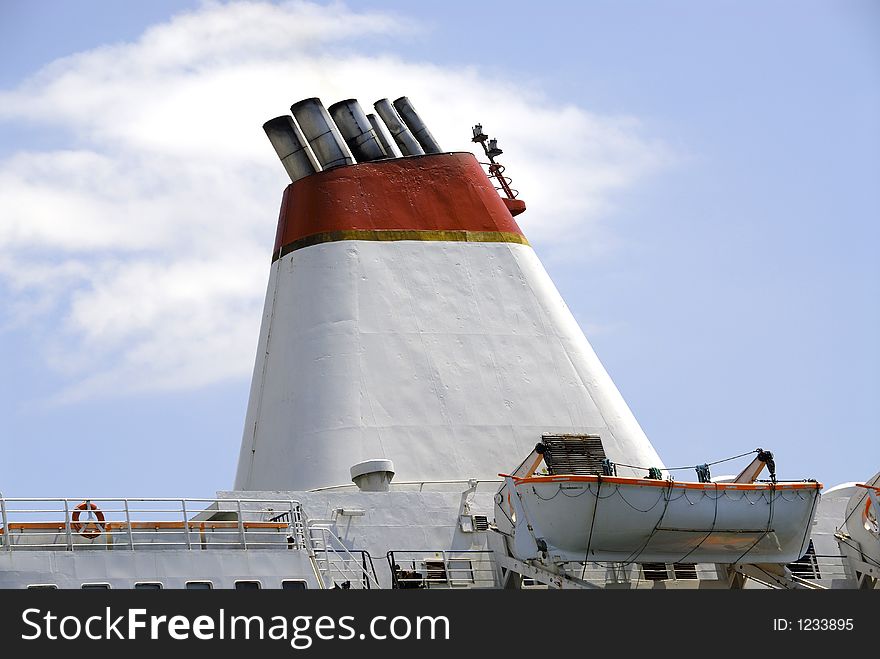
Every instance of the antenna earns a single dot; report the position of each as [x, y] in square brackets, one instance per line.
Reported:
[490, 147]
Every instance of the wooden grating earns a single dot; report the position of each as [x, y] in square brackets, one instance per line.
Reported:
[573, 454]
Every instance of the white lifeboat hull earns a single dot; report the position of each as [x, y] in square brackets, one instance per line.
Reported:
[599, 518]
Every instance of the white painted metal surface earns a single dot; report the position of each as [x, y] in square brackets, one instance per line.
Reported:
[449, 358]
[171, 568]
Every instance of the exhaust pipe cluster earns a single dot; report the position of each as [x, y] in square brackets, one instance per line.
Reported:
[316, 138]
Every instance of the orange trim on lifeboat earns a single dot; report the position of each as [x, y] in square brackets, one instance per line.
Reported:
[650, 482]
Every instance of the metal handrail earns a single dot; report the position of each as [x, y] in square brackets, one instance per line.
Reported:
[4, 520]
[496, 170]
[347, 557]
[138, 522]
[366, 566]
[421, 483]
[419, 559]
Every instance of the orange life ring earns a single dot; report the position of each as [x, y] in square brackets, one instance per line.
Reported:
[90, 529]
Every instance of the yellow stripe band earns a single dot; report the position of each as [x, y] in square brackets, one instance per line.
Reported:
[388, 235]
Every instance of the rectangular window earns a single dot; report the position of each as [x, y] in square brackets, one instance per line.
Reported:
[294, 584]
[42, 586]
[96, 586]
[247, 585]
[148, 585]
[199, 585]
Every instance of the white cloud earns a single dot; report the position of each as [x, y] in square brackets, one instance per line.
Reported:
[148, 235]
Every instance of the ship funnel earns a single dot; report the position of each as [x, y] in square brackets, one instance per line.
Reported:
[373, 475]
[408, 144]
[357, 130]
[385, 139]
[291, 147]
[323, 135]
[394, 283]
[419, 130]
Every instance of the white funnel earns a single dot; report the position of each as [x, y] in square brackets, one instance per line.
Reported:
[407, 317]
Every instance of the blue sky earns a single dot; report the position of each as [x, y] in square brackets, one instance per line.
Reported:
[702, 182]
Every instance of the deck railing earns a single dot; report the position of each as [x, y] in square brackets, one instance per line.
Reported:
[340, 566]
[463, 568]
[139, 523]
[419, 486]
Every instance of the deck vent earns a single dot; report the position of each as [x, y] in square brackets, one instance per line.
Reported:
[573, 454]
[373, 475]
[655, 571]
[684, 571]
[481, 523]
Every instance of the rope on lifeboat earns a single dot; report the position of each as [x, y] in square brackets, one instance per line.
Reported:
[803, 542]
[668, 496]
[711, 529]
[654, 505]
[767, 530]
[592, 526]
[706, 464]
[582, 492]
[702, 494]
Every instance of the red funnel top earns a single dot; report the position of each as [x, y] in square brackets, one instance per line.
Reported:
[444, 197]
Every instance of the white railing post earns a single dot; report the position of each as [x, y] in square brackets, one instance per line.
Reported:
[6, 536]
[185, 524]
[350, 568]
[67, 525]
[241, 526]
[128, 524]
[294, 527]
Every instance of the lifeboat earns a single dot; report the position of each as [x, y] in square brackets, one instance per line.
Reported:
[598, 517]
[859, 536]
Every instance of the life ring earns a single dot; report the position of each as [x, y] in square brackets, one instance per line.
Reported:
[869, 519]
[92, 528]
